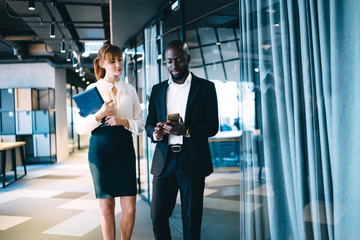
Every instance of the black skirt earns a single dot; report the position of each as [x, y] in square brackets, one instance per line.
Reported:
[112, 162]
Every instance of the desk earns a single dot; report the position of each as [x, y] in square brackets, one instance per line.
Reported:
[226, 136]
[225, 149]
[228, 147]
[10, 147]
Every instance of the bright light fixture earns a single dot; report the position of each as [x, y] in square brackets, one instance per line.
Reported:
[31, 5]
[62, 50]
[68, 57]
[175, 6]
[52, 30]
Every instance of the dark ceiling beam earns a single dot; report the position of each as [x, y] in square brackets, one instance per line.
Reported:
[105, 12]
[90, 27]
[81, 39]
[158, 15]
[49, 59]
[71, 22]
[53, 20]
[65, 17]
[82, 3]
[23, 16]
[63, 2]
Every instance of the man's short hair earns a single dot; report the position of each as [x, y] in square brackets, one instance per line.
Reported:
[179, 44]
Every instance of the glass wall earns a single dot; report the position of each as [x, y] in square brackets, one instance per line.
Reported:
[72, 137]
[134, 74]
[213, 45]
[214, 50]
[299, 168]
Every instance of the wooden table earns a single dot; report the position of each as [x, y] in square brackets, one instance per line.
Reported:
[10, 147]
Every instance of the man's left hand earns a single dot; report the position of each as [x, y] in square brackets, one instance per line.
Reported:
[176, 128]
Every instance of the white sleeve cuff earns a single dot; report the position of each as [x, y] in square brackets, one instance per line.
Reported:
[154, 137]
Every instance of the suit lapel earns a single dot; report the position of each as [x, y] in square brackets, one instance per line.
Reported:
[194, 89]
[163, 103]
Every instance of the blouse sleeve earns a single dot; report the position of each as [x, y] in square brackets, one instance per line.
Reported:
[136, 123]
[85, 125]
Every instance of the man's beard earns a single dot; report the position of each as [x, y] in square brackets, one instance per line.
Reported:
[178, 77]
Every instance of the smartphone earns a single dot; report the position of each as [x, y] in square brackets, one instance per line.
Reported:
[173, 117]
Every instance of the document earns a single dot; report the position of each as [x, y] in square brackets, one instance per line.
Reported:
[89, 101]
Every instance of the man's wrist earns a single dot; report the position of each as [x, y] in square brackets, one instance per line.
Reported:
[155, 137]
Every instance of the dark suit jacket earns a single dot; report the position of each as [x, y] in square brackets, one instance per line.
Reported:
[201, 118]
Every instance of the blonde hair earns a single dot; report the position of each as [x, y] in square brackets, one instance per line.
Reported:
[106, 52]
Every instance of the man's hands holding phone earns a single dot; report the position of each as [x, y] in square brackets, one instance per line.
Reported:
[174, 125]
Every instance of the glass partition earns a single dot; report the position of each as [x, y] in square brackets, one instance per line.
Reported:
[213, 45]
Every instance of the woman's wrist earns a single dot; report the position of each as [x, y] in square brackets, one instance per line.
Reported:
[97, 117]
[126, 123]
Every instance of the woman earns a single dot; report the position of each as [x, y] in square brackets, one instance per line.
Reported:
[111, 151]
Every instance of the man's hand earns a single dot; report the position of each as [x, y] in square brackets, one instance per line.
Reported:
[159, 130]
[175, 128]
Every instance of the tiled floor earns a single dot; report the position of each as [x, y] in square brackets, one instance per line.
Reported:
[57, 202]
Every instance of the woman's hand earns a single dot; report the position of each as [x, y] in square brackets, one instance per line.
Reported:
[117, 121]
[107, 109]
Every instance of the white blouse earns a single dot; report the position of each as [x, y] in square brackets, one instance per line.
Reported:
[126, 104]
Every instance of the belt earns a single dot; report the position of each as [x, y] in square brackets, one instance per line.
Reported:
[176, 147]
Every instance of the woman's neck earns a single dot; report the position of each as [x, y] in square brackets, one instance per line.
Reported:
[111, 79]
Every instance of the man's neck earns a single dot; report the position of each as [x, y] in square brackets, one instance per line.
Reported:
[182, 80]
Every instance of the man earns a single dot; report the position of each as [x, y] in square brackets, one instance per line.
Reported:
[182, 155]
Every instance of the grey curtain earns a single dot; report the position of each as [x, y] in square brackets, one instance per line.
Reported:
[308, 53]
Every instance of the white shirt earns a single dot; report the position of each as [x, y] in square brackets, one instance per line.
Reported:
[176, 101]
[126, 104]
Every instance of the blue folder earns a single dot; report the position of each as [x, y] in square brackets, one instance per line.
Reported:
[89, 101]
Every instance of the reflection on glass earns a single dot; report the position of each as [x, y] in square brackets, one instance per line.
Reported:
[211, 54]
[192, 38]
[229, 50]
[200, 72]
[226, 34]
[232, 70]
[196, 58]
[207, 35]
[215, 72]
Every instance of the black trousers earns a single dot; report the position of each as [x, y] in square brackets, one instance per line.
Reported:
[176, 176]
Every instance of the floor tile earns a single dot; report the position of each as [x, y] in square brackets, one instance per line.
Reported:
[78, 225]
[7, 222]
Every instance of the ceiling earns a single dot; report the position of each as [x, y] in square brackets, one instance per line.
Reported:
[25, 34]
